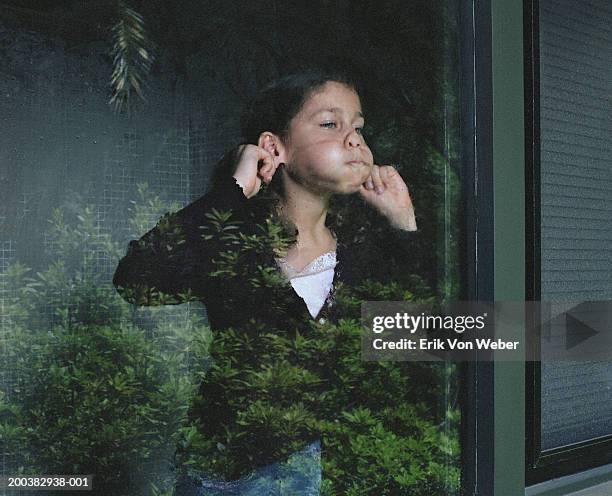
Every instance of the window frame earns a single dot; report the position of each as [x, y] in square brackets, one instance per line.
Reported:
[540, 464]
[477, 378]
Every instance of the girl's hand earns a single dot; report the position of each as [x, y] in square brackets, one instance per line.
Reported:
[254, 165]
[387, 192]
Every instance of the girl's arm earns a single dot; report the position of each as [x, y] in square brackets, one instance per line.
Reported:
[174, 258]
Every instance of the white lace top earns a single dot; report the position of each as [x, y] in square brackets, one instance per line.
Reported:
[313, 283]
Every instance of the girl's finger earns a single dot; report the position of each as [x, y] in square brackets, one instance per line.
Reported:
[376, 179]
[268, 167]
[384, 176]
[265, 157]
[390, 176]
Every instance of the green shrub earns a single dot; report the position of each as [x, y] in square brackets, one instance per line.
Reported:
[86, 390]
[379, 424]
[99, 400]
[101, 387]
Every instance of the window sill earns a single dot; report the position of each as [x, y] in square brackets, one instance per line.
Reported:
[594, 482]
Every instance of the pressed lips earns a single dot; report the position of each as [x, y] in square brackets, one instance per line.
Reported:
[356, 162]
[356, 159]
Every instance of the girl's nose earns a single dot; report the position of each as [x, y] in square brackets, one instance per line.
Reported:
[354, 139]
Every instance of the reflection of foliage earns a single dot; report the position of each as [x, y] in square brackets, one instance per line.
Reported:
[96, 399]
[115, 399]
[147, 209]
[132, 56]
[71, 288]
[379, 431]
[276, 385]
[92, 393]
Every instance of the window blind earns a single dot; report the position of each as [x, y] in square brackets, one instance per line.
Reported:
[576, 202]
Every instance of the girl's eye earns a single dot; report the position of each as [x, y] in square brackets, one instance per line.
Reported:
[359, 130]
[328, 125]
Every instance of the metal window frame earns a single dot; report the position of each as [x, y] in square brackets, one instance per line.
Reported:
[542, 465]
[477, 379]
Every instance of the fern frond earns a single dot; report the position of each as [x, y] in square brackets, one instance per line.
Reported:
[132, 56]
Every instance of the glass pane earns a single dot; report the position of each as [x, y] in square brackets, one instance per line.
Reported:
[576, 125]
[229, 360]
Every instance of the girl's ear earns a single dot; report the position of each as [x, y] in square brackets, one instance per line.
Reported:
[273, 144]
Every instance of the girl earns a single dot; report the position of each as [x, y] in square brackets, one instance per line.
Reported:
[303, 144]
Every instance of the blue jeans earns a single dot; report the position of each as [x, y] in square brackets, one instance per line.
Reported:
[299, 475]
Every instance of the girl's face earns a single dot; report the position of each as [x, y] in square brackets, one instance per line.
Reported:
[325, 150]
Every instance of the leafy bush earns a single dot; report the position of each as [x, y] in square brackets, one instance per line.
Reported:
[99, 400]
[93, 385]
[380, 430]
[105, 388]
